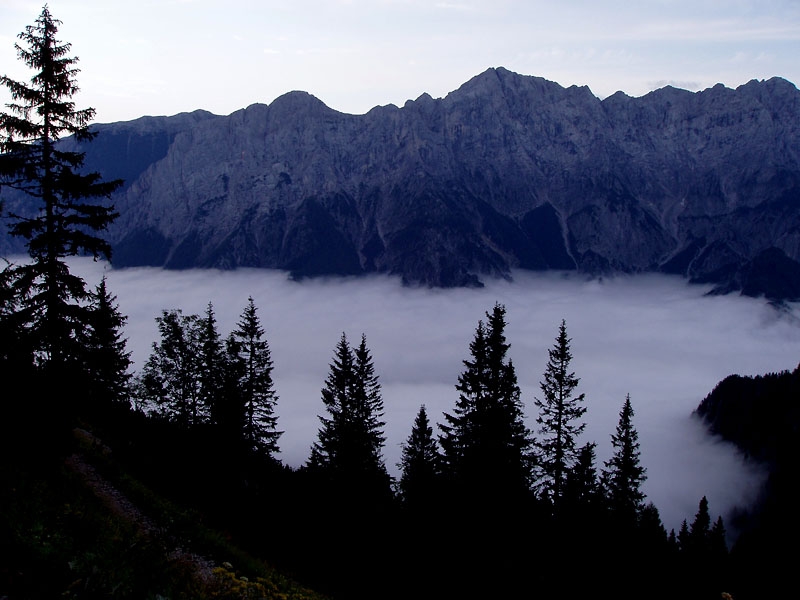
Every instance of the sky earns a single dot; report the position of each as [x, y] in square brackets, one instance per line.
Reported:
[654, 337]
[163, 57]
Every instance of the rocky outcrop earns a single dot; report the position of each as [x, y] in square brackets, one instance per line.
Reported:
[506, 172]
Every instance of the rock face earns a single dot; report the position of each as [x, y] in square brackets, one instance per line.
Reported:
[508, 171]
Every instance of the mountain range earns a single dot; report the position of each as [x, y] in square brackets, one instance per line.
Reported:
[507, 172]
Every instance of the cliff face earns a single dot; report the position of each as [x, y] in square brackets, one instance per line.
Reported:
[508, 171]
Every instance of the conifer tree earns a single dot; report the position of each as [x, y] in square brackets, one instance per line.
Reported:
[704, 552]
[646, 551]
[485, 443]
[651, 531]
[229, 414]
[420, 463]
[582, 487]
[369, 405]
[672, 541]
[169, 384]
[683, 537]
[256, 386]
[581, 517]
[560, 419]
[706, 540]
[65, 212]
[211, 363]
[107, 354]
[350, 441]
[700, 528]
[327, 451]
[718, 545]
[624, 474]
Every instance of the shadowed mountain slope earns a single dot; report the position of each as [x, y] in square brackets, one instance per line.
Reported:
[508, 171]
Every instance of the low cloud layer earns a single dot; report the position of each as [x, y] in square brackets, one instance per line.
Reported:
[654, 337]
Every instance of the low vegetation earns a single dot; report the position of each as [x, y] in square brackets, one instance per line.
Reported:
[75, 524]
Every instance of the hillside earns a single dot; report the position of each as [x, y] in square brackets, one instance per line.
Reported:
[74, 523]
[761, 415]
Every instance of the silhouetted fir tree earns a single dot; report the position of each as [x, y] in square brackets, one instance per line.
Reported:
[107, 355]
[672, 540]
[325, 452]
[350, 441]
[347, 470]
[369, 403]
[420, 464]
[721, 572]
[256, 385]
[229, 413]
[648, 555]
[559, 419]
[703, 555]
[683, 537]
[419, 491]
[169, 381]
[700, 529]
[210, 363]
[65, 212]
[653, 535]
[582, 518]
[582, 490]
[623, 476]
[485, 443]
[718, 545]
[703, 540]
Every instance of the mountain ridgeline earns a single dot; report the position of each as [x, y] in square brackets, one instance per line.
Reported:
[507, 172]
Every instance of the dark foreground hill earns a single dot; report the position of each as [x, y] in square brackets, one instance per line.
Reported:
[761, 415]
[508, 171]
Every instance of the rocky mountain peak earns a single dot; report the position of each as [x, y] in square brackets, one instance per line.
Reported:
[508, 171]
[298, 104]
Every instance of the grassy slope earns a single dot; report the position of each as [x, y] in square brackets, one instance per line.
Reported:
[63, 534]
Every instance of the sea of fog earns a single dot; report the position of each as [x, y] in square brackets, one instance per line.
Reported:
[654, 337]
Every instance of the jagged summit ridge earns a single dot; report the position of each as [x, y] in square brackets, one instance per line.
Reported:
[508, 171]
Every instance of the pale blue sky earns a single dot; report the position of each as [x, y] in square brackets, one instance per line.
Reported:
[161, 57]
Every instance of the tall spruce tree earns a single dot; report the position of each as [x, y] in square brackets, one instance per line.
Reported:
[718, 544]
[256, 387]
[700, 529]
[349, 446]
[369, 405]
[230, 413]
[107, 353]
[420, 464]
[624, 474]
[485, 443]
[66, 210]
[329, 449]
[560, 420]
[210, 363]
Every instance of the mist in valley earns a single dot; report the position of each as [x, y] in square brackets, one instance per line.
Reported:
[654, 337]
